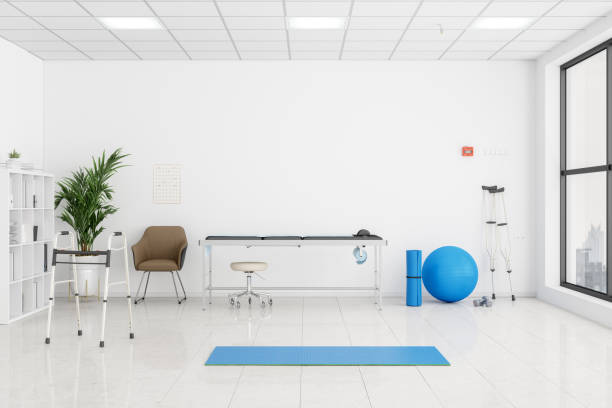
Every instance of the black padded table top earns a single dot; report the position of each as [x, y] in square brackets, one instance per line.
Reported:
[296, 238]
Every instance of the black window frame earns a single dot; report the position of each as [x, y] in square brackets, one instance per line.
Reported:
[594, 169]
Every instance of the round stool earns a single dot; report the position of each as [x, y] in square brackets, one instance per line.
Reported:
[249, 268]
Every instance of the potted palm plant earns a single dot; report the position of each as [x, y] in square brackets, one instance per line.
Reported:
[86, 196]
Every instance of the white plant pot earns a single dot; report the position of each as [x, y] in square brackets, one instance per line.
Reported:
[89, 277]
[13, 163]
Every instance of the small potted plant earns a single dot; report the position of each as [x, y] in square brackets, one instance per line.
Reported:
[13, 160]
[87, 195]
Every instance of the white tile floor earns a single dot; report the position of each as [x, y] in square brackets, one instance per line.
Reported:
[527, 354]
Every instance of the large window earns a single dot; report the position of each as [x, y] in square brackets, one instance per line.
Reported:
[585, 172]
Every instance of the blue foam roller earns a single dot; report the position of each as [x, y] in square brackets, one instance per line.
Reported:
[413, 278]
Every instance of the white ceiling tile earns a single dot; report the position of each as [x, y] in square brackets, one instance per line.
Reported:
[51, 8]
[118, 9]
[143, 35]
[582, 8]
[200, 35]
[477, 45]
[369, 45]
[372, 35]
[264, 55]
[423, 45]
[45, 45]
[153, 46]
[445, 22]
[327, 46]
[563, 23]
[238, 8]
[60, 55]
[531, 45]
[279, 46]
[111, 55]
[162, 55]
[314, 55]
[255, 22]
[366, 55]
[316, 35]
[451, 9]
[197, 46]
[318, 9]
[193, 23]
[416, 55]
[259, 35]
[517, 55]
[384, 23]
[546, 35]
[185, 8]
[213, 55]
[467, 55]
[6, 10]
[99, 45]
[378, 9]
[432, 35]
[86, 35]
[28, 35]
[489, 35]
[70, 23]
[18, 23]
[518, 8]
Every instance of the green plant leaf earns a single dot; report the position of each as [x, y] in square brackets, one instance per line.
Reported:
[86, 195]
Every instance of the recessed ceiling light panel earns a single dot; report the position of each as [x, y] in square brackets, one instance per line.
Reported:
[501, 23]
[131, 23]
[317, 23]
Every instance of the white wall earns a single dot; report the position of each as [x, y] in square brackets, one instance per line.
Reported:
[21, 104]
[547, 177]
[307, 148]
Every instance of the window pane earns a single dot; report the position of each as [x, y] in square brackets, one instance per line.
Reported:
[586, 230]
[586, 112]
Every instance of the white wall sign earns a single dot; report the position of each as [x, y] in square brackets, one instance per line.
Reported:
[166, 184]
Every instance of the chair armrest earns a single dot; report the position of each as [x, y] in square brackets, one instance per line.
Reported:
[181, 255]
[139, 252]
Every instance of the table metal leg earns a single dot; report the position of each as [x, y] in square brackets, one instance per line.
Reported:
[210, 275]
[380, 275]
[204, 263]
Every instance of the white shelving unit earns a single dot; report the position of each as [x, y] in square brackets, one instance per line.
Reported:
[24, 271]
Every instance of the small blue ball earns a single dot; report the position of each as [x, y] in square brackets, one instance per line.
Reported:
[450, 274]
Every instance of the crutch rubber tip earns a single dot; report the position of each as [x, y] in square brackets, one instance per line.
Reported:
[131, 335]
[79, 332]
[47, 340]
[101, 343]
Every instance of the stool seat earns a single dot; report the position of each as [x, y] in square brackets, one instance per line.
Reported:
[249, 266]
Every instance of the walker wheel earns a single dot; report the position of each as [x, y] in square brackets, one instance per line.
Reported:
[270, 301]
[232, 301]
[237, 304]
[263, 303]
[250, 301]
[513, 298]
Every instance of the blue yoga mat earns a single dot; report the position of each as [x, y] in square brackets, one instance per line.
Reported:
[327, 356]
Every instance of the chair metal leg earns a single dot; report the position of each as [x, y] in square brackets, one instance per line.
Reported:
[175, 290]
[138, 300]
[182, 287]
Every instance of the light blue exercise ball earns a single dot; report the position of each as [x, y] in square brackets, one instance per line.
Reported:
[450, 274]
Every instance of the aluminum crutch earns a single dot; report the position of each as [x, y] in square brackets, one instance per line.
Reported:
[503, 229]
[490, 230]
[107, 284]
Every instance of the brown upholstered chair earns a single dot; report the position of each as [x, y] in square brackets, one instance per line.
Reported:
[161, 249]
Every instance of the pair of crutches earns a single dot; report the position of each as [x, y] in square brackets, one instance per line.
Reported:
[73, 253]
[496, 232]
